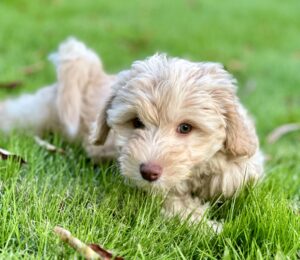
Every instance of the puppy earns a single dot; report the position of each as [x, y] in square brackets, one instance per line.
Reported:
[175, 126]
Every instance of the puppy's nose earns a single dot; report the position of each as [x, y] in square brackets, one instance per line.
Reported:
[150, 171]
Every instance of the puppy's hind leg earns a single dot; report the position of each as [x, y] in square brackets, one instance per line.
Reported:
[61, 106]
[34, 112]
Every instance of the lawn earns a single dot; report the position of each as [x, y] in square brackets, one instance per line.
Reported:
[258, 41]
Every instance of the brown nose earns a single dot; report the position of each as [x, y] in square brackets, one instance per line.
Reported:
[150, 171]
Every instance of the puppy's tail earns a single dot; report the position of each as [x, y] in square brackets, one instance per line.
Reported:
[76, 66]
[58, 105]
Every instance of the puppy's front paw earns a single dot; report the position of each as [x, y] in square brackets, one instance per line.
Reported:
[194, 215]
[216, 226]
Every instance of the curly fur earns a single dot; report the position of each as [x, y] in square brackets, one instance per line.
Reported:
[216, 158]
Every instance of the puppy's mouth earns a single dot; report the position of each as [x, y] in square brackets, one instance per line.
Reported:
[159, 186]
[152, 175]
[149, 177]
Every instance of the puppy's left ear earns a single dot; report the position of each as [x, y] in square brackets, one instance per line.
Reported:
[241, 138]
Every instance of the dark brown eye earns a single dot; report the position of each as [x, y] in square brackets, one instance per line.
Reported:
[137, 123]
[184, 128]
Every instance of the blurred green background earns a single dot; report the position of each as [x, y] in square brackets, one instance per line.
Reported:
[258, 41]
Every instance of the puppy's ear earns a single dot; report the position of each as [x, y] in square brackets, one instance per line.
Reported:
[241, 138]
[101, 129]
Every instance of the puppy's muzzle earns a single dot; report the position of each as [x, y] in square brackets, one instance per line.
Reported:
[150, 171]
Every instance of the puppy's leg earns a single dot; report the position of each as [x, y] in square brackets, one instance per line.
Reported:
[101, 153]
[30, 111]
[190, 208]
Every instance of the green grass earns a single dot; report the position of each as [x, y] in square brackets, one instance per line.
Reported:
[259, 43]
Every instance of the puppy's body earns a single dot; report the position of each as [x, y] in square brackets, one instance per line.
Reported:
[178, 126]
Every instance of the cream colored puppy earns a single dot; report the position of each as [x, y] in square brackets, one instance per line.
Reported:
[176, 127]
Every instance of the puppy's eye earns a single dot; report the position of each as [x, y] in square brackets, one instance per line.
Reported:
[184, 128]
[137, 123]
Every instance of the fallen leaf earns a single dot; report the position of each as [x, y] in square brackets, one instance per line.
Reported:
[267, 157]
[11, 84]
[296, 55]
[236, 65]
[92, 251]
[250, 86]
[5, 155]
[49, 147]
[104, 253]
[192, 3]
[34, 68]
[282, 130]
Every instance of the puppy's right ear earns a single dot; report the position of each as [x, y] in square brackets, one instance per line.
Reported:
[101, 129]
[241, 138]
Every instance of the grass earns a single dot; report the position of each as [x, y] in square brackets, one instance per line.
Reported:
[258, 41]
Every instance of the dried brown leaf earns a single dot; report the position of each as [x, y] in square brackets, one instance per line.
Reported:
[5, 155]
[282, 130]
[250, 86]
[34, 68]
[296, 55]
[11, 84]
[236, 65]
[104, 253]
[49, 147]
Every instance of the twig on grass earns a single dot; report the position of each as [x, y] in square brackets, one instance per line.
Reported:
[49, 147]
[91, 251]
[280, 131]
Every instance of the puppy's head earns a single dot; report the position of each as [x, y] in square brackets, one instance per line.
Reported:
[171, 115]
